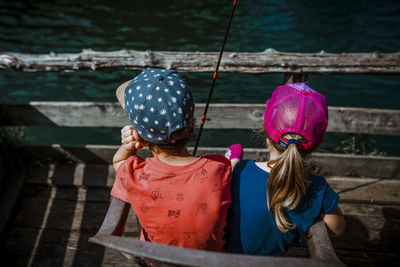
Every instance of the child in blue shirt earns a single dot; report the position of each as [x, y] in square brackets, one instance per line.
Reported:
[275, 202]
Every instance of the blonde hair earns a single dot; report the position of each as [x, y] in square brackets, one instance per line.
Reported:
[287, 182]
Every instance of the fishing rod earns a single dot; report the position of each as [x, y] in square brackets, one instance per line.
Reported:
[203, 118]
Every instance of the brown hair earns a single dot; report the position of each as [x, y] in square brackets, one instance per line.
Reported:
[287, 182]
[178, 145]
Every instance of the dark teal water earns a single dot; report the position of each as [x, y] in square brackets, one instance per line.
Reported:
[290, 26]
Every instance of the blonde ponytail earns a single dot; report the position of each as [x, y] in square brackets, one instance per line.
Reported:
[287, 182]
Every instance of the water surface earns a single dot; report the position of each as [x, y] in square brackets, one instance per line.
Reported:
[285, 25]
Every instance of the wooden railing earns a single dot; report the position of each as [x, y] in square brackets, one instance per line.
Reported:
[268, 61]
[361, 180]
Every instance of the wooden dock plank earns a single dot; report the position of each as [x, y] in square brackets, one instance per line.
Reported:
[371, 227]
[372, 221]
[219, 116]
[370, 190]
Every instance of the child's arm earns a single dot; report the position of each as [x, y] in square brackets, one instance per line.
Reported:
[131, 142]
[335, 222]
[121, 92]
[235, 154]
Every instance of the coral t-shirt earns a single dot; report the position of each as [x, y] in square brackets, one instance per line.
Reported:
[184, 206]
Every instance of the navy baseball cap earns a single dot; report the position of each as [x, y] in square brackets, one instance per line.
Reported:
[158, 102]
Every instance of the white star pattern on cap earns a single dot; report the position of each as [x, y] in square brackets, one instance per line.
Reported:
[160, 105]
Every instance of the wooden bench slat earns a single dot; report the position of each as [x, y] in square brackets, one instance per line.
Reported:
[220, 116]
[325, 163]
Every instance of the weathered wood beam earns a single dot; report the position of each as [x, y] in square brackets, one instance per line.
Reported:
[220, 116]
[268, 61]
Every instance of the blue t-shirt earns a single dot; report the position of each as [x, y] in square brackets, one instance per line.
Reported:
[251, 228]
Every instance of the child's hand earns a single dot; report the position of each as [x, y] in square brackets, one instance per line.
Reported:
[130, 139]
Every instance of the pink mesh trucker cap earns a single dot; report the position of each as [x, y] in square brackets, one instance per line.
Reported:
[296, 108]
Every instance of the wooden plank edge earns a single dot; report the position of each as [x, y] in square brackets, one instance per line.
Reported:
[191, 257]
[220, 116]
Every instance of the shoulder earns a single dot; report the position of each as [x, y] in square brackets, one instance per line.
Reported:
[243, 165]
[218, 159]
[131, 163]
[135, 160]
[318, 183]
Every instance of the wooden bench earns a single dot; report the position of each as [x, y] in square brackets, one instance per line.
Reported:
[367, 184]
[384, 171]
[112, 229]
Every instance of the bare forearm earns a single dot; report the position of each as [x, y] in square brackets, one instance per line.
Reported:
[121, 155]
[335, 222]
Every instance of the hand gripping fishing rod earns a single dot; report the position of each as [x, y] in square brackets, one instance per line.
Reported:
[203, 118]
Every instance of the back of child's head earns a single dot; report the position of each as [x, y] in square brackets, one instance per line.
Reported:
[295, 120]
[160, 107]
